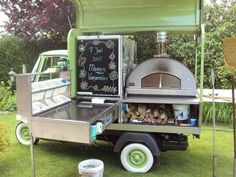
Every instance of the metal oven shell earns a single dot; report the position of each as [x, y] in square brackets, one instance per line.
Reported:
[163, 66]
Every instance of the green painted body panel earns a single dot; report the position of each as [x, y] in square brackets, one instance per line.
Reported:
[117, 16]
[203, 39]
[71, 45]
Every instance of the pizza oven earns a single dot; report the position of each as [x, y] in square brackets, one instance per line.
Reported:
[161, 75]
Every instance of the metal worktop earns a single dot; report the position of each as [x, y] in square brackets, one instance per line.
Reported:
[77, 111]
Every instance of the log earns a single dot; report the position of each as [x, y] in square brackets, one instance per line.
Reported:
[137, 113]
[128, 115]
[156, 113]
[148, 111]
[162, 106]
[142, 109]
[164, 117]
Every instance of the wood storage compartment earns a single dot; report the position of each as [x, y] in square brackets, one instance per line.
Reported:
[157, 114]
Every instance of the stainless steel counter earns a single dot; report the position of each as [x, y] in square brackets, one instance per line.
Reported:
[77, 111]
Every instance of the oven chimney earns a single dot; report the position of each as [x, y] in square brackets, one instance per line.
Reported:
[162, 44]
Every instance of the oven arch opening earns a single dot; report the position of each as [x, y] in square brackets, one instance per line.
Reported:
[160, 81]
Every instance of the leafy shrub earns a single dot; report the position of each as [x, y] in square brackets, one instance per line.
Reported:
[7, 102]
[223, 112]
[4, 93]
[4, 139]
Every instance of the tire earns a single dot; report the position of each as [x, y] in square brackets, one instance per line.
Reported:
[22, 134]
[136, 158]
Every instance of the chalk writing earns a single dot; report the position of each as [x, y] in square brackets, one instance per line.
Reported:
[96, 50]
[92, 67]
[97, 58]
[97, 78]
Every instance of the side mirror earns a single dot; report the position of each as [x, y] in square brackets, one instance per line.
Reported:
[62, 64]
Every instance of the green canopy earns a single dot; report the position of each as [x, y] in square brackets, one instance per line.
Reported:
[117, 16]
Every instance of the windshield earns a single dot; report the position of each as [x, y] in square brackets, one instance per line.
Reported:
[49, 64]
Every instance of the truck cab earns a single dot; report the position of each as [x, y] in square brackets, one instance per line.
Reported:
[45, 68]
[50, 62]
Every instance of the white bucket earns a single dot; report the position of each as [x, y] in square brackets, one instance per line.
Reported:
[181, 111]
[91, 168]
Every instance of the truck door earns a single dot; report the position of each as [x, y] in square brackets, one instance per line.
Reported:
[49, 66]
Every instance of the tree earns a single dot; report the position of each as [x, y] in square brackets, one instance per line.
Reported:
[39, 19]
[13, 53]
[146, 44]
[220, 23]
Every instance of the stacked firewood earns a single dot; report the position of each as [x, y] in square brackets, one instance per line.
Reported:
[149, 113]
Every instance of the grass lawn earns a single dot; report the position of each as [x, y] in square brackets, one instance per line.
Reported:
[55, 159]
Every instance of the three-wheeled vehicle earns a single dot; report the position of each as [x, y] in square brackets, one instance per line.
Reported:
[142, 110]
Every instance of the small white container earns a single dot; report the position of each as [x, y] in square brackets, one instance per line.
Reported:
[91, 168]
[181, 111]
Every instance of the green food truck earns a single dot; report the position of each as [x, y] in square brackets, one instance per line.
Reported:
[143, 109]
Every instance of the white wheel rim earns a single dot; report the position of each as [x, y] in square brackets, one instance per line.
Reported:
[22, 133]
[137, 157]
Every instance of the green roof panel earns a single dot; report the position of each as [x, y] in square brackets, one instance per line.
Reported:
[110, 16]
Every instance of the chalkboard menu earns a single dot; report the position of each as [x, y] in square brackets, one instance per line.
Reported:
[98, 66]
